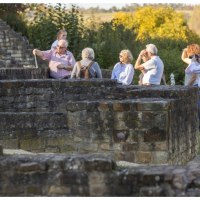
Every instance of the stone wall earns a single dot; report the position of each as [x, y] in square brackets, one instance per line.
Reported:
[24, 73]
[136, 124]
[15, 50]
[1, 150]
[93, 175]
[34, 73]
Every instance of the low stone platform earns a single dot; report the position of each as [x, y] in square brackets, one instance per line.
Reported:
[144, 125]
[93, 175]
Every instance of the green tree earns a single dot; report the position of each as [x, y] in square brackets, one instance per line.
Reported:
[108, 41]
[49, 19]
[12, 14]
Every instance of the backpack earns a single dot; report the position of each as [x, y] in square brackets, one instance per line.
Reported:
[84, 70]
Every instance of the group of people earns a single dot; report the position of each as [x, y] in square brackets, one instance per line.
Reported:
[62, 64]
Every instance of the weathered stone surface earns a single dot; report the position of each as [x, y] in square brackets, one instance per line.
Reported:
[15, 49]
[1, 150]
[144, 157]
[133, 123]
[61, 116]
[93, 175]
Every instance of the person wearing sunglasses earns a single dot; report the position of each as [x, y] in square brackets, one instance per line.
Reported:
[61, 61]
[123, 71]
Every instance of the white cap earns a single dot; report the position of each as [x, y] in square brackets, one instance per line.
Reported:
[152, 48]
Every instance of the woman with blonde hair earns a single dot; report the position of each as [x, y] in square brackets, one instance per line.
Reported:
[61, 35]
[123, 71]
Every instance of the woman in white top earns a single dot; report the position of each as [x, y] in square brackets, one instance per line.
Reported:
[61, 35]
[192, 49]
[194, 67]
[123, 71]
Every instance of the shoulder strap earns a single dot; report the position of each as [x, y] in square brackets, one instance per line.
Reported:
[91, 63]
[79, 64]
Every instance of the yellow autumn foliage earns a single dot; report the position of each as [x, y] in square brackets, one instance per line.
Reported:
[150, 22]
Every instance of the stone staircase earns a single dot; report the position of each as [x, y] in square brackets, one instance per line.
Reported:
[15, 50]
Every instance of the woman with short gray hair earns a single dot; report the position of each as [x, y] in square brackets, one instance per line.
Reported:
[88, 53]
[87, 67]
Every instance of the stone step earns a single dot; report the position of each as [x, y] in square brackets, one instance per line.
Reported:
[15, 48]
[40, 120]
[14, 72]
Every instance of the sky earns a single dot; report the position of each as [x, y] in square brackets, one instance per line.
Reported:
[103, 3]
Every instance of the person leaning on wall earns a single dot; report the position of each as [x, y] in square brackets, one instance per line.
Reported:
[123, 71]
[87, 61]
[187, 54]
[61, 61]
[153, 68]
[61, 35]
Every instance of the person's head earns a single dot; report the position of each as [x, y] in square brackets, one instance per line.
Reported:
[151, 49]
[125, 56]
[62, 35]
[196, 58]
[145, 56]
[62, 46]
[88, 53]
[193, 49]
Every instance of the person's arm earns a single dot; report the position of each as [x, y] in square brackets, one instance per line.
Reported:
[193, 79]
[74, 71]
[54, 45]
[72, 62]
[138, 62]
[193, 68]
[98, 70]
[37, 52]
[184, 56]
[126, 77]
[113, 71]
[66, 67]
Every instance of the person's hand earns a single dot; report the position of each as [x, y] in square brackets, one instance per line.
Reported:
[142, 52]
[34, 51]
[143, 71]
[61, 66]
[185, 51]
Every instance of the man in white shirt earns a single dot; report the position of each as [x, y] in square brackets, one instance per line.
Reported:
[153, 68]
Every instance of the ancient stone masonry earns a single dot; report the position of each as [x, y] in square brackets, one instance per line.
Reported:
[135, 124]
[93, 175]
[15, 50]
[76, 132]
